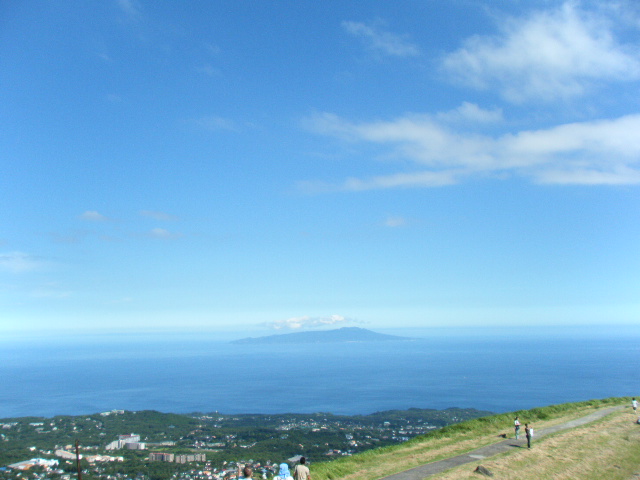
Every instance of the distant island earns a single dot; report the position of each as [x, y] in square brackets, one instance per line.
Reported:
[340, 335]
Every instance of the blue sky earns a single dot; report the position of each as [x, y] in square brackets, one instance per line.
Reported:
[276, 166]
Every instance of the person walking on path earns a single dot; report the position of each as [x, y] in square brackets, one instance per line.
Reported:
[528, 431]
[634, 404]
[301, 472]
[516, 424]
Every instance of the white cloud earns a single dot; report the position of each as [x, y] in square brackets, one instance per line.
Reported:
[617, 176]
[397, 180]
[297, 323]
[417, 179]
[380, 41]
[470, 113]
[93, 216]
[549, 55]
[421, 138]
[19, 262]
[597, 152]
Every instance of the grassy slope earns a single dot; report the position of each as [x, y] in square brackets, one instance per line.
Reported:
[606, 449]
[584, 452]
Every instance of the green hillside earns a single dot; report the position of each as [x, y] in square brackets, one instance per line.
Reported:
[558, 456]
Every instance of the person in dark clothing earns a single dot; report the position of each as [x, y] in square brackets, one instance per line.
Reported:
[528, 431]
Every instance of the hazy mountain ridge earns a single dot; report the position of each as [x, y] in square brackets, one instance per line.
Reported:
[340, 335]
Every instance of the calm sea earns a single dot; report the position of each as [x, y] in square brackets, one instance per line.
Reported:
[500, 372]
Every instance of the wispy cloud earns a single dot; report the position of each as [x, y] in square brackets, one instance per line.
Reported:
[73, 237]
[20, 262]
[298, 323]
[395, 222]
[130, 7]
[209, 70]
[618, 175]
[164, 234]
[398, 180]
[212, 49]
[597, 152]
[93, 216]
[214, 123]
[470, 114]
[548, 55]
[379, 41]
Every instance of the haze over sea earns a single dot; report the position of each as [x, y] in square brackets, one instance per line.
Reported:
[497, 370]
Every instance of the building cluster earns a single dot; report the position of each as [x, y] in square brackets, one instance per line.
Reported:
[112, 412]
[66, 455]
[47, 464]
[177, 458]
[328, 436]
[131, 442]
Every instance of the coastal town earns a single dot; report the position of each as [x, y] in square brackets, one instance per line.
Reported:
[163, 446]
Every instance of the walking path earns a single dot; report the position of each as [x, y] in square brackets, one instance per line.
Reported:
[418, 473]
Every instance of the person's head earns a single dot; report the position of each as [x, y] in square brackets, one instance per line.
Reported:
[247, 471]
[284, 471]
[303, 460]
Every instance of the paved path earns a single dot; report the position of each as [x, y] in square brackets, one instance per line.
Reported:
[418, 473]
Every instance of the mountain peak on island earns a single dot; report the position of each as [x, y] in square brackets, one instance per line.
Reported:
[340, 335]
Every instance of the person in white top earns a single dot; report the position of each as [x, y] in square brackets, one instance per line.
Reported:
[301, 472]
[634, 404]
[516, 424]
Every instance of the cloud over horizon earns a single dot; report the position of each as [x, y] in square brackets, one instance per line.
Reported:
[298, 323]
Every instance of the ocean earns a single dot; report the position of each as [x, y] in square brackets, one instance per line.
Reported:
[499, 371]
